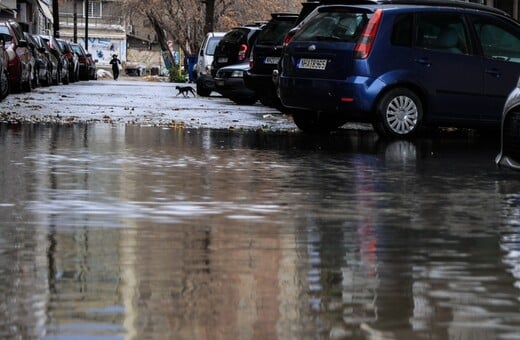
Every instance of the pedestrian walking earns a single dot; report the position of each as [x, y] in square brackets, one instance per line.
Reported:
[115, 62]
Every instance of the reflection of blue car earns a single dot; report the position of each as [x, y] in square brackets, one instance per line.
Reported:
[510, 138]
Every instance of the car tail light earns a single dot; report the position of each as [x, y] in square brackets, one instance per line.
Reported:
[288, 37]
[242, 52]
[367, 38]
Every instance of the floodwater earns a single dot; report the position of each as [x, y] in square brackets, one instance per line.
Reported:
[126, 232]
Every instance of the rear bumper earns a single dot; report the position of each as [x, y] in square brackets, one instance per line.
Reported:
[262, 84]
[354, 96]
[206, 81]
[233, 88]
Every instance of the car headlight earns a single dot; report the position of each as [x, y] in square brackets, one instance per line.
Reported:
[237, 74]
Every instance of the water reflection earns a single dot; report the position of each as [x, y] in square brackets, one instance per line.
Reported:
[132, 232]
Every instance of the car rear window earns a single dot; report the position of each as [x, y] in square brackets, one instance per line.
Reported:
[237, 35]
[274, 32]
[336, 25]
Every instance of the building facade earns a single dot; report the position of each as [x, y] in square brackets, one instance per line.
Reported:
[35, 16]
[106, 34]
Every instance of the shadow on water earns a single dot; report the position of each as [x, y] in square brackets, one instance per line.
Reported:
[137, 232]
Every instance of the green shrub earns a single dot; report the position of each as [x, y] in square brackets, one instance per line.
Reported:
[175, 75]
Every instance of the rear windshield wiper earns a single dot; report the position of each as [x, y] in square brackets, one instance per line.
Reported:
[328, 38]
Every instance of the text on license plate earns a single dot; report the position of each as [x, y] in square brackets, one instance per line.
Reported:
[312, 64]
[271, 60]
[222, 60]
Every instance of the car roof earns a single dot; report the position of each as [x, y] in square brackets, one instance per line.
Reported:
[284, 15]
[427, 3]
[216, 34]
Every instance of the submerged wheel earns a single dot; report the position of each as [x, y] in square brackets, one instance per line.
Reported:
[317, 122]
[399, 113]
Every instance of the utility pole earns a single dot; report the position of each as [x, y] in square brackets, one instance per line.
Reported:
[86, 24]
[55, 19]
[75, 19]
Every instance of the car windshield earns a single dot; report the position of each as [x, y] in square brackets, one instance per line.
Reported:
[77, 49]
[4, 34]
[274, 32]
[333, 26]
[212, 43]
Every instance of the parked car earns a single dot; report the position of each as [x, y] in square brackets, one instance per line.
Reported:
[63, 63]
[400, 66]
[202, 70]
[265, 57]
[73, 61]
[52, 61]
[84, 64]
[20, 57]
[229, 82]
[509, 155]
[235, 46]
[4, 76]
[92, 67]
[41, 75]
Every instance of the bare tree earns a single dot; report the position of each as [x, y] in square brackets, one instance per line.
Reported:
[185, 22]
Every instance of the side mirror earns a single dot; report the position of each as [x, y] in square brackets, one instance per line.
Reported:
[23, 43]
[201, 53]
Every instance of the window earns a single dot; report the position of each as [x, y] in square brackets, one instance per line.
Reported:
[402, 32]
[498, 41]
[94, 9]
[442, 32]
[333, 26]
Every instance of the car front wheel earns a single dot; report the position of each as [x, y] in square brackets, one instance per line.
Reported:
[202, 90]
[399, 113]
[4, 85]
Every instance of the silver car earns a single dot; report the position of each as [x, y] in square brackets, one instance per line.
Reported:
[509, 155]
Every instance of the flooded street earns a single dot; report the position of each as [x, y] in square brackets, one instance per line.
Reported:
[133, 232]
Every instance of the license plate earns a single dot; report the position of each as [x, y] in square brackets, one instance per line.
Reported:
[222, 60]
[312, 64]
[271, 60]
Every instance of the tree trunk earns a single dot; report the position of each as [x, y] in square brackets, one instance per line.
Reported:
[210, 16]
[161, 37]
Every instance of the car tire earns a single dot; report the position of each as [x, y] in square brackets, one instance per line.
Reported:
[399, 113]
[4, 85]
[317, 122]
[66, 79]
[202, 90]
[27, 84]
[244, 100]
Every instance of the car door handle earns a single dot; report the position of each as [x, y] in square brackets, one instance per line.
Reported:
[494, 72]
[423, 61]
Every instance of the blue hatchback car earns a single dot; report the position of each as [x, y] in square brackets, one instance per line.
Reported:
[400, 65]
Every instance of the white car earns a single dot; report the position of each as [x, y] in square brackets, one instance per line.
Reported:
[202, 71]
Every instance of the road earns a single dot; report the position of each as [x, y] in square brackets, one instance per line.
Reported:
[136, 101]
